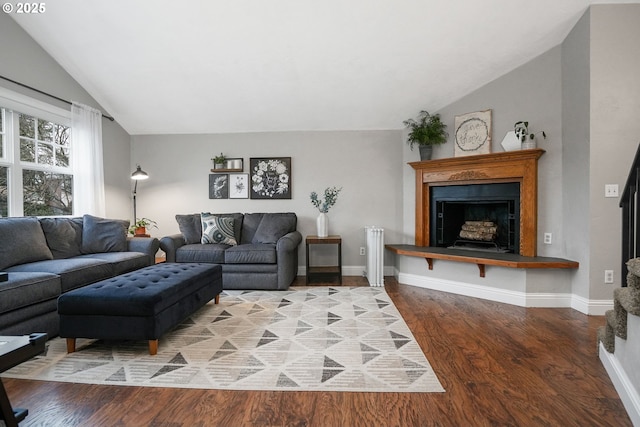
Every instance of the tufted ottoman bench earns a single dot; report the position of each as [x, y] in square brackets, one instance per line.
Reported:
[140, 305]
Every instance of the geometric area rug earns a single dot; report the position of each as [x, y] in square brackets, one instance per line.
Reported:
[302, 339]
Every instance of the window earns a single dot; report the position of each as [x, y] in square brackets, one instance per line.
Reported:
[36, 177]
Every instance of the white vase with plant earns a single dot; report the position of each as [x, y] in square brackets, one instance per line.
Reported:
[330, 199]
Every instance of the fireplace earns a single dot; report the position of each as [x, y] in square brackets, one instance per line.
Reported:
[503, 186]
[476, 216]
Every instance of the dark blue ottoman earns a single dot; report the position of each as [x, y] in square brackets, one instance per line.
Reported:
[140, 305]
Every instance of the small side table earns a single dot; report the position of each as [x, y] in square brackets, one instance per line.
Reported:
[324, 271]
[14, 351]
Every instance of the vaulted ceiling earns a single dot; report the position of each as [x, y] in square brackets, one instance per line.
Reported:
[212, 66]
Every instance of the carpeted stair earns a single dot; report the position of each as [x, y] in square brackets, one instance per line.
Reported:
[625, 301]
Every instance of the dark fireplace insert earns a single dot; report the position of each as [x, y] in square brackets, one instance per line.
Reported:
[476, 216]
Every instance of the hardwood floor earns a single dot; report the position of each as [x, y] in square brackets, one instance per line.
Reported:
[500, 365]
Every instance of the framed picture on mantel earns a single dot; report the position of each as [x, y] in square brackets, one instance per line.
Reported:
[473, 134]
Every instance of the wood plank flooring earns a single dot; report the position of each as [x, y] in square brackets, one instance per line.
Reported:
[500, 365]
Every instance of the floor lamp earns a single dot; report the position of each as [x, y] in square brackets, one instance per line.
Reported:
[137, 175]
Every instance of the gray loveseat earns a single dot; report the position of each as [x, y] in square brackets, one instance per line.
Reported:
[45, 257]
[256, 250]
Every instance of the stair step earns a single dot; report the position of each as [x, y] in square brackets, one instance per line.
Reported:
[608, 340]
[629, 299]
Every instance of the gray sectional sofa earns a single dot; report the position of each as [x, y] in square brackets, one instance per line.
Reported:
[255, 250]
[45, 257]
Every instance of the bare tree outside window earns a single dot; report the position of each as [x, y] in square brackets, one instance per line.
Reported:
[4, 192]
[48, 144]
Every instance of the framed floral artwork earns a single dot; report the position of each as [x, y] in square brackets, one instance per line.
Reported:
[270, 177]
[218, 186]
[238, 185]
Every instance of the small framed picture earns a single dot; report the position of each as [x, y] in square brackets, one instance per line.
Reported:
[473, 134]
[270, 177]
[219, 186]
[238, 185]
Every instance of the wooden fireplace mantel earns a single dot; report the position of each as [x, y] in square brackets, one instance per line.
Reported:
[512, 166]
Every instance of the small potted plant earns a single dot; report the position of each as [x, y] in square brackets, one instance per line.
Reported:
[330, 199]
[427, 131]
[218, 161]
[139, 228]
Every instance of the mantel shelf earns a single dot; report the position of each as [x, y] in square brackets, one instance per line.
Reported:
[481, 259]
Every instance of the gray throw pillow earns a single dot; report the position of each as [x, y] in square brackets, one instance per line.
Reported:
[103, 235]
[21, 241]
[64, 236]
[217, 229]
[273, 226]
[190, 227]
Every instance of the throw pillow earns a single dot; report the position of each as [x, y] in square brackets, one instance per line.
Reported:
[217, 229]
[190, 227]
[22, 241]
[103, 235]
[273, 226]
[64, 236]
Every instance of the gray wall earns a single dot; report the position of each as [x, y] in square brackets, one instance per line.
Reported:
[575, 150]
[23, 60]
[365, 164]
[614, 132]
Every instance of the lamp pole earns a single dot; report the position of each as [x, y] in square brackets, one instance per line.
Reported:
[137, 175]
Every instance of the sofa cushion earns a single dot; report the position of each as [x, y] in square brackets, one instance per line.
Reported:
[64, 236]
[73, 272]
[103, 235]
[191, 228]
[251, 254]
[122, 262]
[25, 289]
[212, 253]
[273, 226]
[27, 242]
[216, 229]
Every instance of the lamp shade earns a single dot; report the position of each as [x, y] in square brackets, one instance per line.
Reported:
[139, 174]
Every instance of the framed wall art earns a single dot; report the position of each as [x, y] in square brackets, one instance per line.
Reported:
[218, 186]
[238, 185]
[270, 177]
[473, 134]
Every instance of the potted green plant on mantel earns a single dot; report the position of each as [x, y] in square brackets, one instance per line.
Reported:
[427, 131]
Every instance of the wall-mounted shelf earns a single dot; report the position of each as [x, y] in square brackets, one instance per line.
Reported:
[481, 259]
[225, 170]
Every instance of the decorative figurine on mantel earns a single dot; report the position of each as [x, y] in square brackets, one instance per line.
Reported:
[527, 139]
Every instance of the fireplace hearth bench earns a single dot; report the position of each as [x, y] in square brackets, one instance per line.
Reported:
[141, 305]
[482, 259]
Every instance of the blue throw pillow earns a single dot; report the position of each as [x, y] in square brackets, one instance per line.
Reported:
[103, 235]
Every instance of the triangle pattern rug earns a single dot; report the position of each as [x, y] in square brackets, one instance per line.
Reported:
[303, 339]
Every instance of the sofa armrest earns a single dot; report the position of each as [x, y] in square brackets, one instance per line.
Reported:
[289, 242]
[146, 245]
[170, 244]
[287, 253]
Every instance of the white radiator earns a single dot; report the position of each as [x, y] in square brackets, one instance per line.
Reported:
[375, 255]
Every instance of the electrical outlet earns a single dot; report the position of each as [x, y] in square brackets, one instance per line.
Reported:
[608, 276]
[362, 250]
[547, 238]
[611, 190]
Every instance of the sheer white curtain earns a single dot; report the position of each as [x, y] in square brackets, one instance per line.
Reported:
[88, 170]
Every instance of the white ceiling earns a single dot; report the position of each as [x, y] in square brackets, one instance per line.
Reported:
[213, 66]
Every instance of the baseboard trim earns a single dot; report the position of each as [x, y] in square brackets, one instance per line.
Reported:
[626, 390]
[351, 270]
[522, 299]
